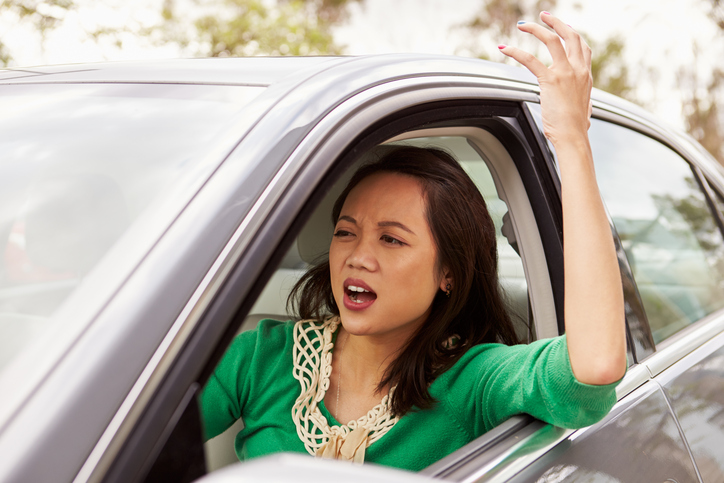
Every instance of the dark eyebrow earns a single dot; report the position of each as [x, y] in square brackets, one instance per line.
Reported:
[397, 224]
[347, 218]
[382, 223]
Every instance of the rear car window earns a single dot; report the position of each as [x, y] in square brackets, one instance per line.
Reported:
[671, 239]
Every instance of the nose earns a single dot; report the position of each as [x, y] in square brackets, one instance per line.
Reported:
[362, 255]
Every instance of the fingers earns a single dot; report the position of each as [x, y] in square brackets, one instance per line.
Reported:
[586, 53]
[529, 61]
[551, 40]
[576, 53]
[578, 50]
[566, 32]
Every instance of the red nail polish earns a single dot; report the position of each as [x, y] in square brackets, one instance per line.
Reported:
[502, 46]
[545, 13]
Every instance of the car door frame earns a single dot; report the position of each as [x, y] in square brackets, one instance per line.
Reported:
[651, 368]
[217, 321]
[210, 319]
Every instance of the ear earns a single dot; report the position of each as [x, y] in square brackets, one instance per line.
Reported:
[445, 280]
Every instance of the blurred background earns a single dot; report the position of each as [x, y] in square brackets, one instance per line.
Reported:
[665, 55]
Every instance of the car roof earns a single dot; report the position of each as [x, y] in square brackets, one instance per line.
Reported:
[261, 71]
[266, 71]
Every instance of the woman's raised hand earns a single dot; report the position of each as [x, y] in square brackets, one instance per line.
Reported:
[566, 85]
[593, 299]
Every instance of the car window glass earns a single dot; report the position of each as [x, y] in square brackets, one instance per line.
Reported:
[672, 242]
[78, 165]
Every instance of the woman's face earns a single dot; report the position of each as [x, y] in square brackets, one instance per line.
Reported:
[383, 258]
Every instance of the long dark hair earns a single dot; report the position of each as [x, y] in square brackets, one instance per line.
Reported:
[464, 236]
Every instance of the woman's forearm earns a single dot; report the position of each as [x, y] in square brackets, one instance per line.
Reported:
[593, 308]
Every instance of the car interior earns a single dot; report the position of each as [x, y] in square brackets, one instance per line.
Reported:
[521, 261]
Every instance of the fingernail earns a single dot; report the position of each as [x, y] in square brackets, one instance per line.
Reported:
[545, 13]
[502, 46]
[521, 22]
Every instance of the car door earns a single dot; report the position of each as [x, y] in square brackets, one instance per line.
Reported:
[162, 422]
[665, 211]
[641, 435]
[674, 228]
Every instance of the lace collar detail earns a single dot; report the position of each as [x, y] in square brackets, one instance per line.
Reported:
[312, 354]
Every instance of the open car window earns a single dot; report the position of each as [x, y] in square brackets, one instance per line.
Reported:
[526, 286]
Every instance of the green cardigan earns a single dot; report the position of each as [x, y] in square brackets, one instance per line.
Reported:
[489, 384]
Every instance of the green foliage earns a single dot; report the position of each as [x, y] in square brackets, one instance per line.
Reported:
[210, 27]
[250, 28]
[44, 14]
[498, 20]
[253, 27]
[4, 55]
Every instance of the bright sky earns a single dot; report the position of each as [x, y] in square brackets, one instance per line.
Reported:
[659, 35]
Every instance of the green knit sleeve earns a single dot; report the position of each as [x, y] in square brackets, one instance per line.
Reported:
[495, 382]
[223, 398]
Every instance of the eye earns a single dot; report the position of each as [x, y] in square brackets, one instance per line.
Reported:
[391, 240]
[342, 234]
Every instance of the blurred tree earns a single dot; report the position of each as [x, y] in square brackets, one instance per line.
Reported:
[42, 15]
[608, 67]
[4, 55]
[716, 12]
[291, 27]
[700, 97]
[699, 106]
[497, 20]
[207, 27]
[212, 28]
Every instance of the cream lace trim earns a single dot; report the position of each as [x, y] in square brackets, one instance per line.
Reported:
[312, 368]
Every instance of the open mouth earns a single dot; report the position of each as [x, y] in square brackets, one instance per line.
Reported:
[359, 295]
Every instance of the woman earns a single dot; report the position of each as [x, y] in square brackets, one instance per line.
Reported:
[409, 355]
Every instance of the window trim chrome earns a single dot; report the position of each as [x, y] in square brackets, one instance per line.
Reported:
[683, 343]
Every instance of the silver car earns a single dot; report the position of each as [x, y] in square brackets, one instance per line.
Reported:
[149, 211]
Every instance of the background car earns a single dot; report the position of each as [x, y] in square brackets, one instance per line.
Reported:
[149, 211]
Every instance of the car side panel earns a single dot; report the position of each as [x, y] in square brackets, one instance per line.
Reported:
[638, 441]
[695, 387]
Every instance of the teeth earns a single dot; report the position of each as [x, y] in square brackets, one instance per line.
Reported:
[356, 289]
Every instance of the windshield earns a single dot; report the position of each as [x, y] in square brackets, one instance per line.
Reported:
[78, 165]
